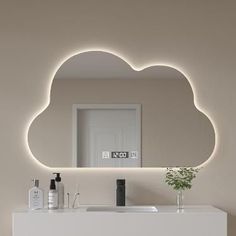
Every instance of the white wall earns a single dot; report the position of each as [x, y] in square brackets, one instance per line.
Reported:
[195, 36]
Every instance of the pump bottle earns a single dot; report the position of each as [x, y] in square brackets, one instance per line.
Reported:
[60, 189]
[52, 196]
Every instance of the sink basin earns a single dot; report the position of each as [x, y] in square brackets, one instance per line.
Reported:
[123, 208]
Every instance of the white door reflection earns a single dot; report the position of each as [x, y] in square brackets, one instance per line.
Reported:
[107, 135]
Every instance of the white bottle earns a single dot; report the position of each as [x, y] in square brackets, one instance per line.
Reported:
[52, 196]
[35, 196]
[60, 189]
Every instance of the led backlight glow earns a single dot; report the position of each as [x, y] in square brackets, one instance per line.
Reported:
[47, 102]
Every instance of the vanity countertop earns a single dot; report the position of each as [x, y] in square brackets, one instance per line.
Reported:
[166, 221]
[161, 209]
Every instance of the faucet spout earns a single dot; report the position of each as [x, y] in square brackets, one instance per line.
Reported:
[120, 192]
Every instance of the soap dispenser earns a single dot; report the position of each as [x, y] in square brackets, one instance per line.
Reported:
[35, 196]
[60, 189]
[52, 196]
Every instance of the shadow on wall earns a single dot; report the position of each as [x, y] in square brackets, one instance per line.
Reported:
[141, 193]
[231, 224]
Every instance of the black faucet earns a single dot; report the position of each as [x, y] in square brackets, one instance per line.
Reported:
[120, 192]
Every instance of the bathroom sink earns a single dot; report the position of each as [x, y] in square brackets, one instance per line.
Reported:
[122, 209]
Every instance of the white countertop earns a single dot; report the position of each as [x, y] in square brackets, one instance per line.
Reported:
[162, 209]
[167, 221]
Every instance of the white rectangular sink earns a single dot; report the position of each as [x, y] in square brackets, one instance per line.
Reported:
[123, 208]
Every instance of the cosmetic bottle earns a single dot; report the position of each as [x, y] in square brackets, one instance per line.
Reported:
[52, 196]
[35, 196]
[60, 189]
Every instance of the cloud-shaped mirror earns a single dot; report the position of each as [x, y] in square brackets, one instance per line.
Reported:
[103, 113]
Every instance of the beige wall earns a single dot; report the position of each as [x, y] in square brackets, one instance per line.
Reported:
[196, 36]
[174, 132]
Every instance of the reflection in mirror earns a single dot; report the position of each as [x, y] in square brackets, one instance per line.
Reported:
[102, 113]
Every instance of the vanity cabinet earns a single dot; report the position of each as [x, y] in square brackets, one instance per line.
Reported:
[168, 221]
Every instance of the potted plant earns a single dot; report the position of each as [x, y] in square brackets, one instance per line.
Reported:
[180, 178]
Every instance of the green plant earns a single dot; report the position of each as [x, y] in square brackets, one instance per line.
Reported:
[181, 178]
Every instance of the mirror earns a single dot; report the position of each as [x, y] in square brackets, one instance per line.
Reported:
[103, 113]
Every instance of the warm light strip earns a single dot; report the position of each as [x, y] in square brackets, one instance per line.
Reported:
[47, 102]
